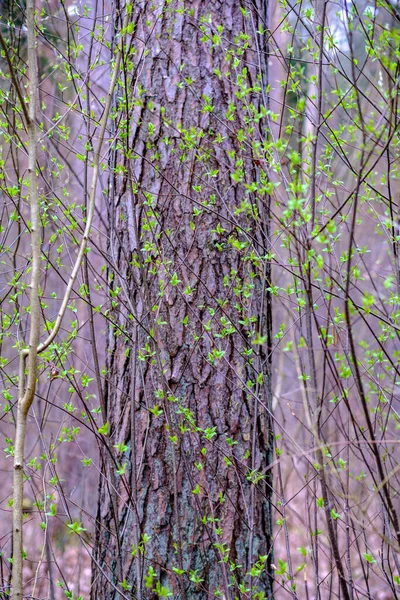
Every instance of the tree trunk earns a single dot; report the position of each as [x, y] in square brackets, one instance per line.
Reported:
[188, 373]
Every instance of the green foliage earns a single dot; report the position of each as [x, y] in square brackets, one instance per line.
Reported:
[242, 276]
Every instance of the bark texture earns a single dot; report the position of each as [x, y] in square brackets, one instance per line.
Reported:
[186, 389]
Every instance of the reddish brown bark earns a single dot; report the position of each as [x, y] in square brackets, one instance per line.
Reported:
[152, 200]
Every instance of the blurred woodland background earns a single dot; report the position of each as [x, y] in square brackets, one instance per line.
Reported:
[216, 406]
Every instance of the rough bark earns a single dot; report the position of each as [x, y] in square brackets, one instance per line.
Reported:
[160, 349]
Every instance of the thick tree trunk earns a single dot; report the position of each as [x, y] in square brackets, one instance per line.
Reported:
[188, 381]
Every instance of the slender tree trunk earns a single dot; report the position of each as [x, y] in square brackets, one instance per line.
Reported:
[188, 384]
[26, 389]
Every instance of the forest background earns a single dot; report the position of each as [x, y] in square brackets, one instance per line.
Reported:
[200, 299]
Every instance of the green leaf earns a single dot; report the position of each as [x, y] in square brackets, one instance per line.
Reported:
[156, 410]
[175, 280]
[104, 429]
[75, 527]
[369, 558]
